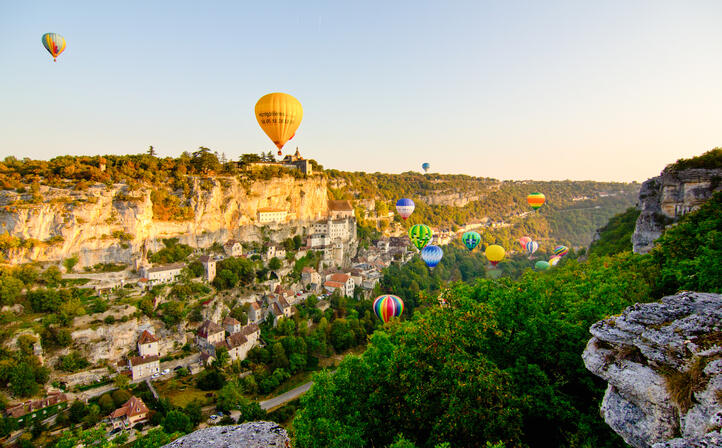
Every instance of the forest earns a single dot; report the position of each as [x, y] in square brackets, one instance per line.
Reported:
[499, 364]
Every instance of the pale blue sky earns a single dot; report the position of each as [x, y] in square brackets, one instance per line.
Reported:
[608, 90]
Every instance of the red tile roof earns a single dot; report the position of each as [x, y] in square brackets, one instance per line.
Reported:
[147, 337]
[248, 329]
[341, 278]
[236, 340]
[332, 284]
[138, 360]
[339, 206]
[131, 408]
[230, 321]
[209, 327]
[29, 406]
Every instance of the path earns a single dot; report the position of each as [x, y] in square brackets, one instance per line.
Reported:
[285, 397]
[152, 389]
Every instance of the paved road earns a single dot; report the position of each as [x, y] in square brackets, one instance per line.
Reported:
[286, 397]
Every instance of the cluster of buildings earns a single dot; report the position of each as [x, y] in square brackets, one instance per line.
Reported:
[238, 340]
[33, 410]
[294, 162]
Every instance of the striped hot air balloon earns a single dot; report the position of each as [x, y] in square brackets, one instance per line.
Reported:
[536, 200]
[532, 247]
[561, 250]
[431, 255]
[54, 43]
[420, 235]
[471, 239]
[388, 306]
[405, 207]
[553, 261]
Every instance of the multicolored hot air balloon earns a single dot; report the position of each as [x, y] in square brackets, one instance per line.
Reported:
[536, 200]
[561, 250]
[54, 43]
[554, 260]
[523, 242]
[471, 239]
[405, 207]
[494, 254]
[420, 235]
[431, 255]
[426, 166]
[541, 265]
[532, 247]
[279, 115]
[388, 306]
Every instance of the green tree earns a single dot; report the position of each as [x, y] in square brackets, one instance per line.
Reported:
[274, 264]
[22, 380]
[177, 421]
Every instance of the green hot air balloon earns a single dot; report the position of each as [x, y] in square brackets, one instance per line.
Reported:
[541, 265]
[420, 235]
[471, 239]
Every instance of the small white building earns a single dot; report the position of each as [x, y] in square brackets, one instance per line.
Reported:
[309, 275]
[342, 279]
[209, 334]
[340, 209]
[269, 215]
[209, 267]
[275, 250]
[164, 273]
[143, 366]
[231, 325]
[148, 344]
[233, 248]
[255, 313]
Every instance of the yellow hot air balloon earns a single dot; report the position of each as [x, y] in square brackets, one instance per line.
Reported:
[494, 254]
[279, 115]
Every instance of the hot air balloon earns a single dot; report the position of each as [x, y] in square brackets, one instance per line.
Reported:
[532, 247]
[523, 241]
[420, 235]
[54, 43]
[405, 207]
[426, 166]
[279, 115]
[431, 255]
[554, 260]
[388, 306]
[561, 250]
[541, 265]
[471, 239]
[494, 254]
[536, 200]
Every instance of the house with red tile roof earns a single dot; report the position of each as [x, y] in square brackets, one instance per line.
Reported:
[134, 411]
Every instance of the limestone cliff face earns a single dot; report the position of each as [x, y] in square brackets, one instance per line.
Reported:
[663, 363]
[112, 224]
[664, 199]
[247, 435]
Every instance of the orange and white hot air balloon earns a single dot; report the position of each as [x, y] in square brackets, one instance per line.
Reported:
[279, 115]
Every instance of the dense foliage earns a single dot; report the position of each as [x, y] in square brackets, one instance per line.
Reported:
[710, 160]
[616, 236]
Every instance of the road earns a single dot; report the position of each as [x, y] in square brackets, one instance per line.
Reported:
[285, 397]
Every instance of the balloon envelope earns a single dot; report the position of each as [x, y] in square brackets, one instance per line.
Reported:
[431, 255]
[471, 239]
[523, 241]
[54, 43]
[420, 235]
[388, 306]
[279, 115]
[561, 250]
[554, 260]
[532, 247]
[405, 207]
[495, 253]
[541, 265]
[426, 166]
[536, 200]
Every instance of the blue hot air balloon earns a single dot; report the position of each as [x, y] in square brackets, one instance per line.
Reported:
[471, 239]
[405, 207]
[431, 255]
[426, 166]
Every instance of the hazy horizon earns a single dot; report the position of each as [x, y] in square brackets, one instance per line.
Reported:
[612, 91]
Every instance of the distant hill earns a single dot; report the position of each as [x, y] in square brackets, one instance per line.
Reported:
[616, 236]
[571, 214]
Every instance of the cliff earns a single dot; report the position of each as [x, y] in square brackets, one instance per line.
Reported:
[113, 224]
[663, 363]
[665, 198]
[247, 435]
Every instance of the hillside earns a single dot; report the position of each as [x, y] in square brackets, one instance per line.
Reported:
[572, 212]
[500, 364]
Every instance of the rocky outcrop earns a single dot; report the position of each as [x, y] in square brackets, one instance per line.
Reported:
[664, 199]
[247, 435]
[663, 363]
[107, 224]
